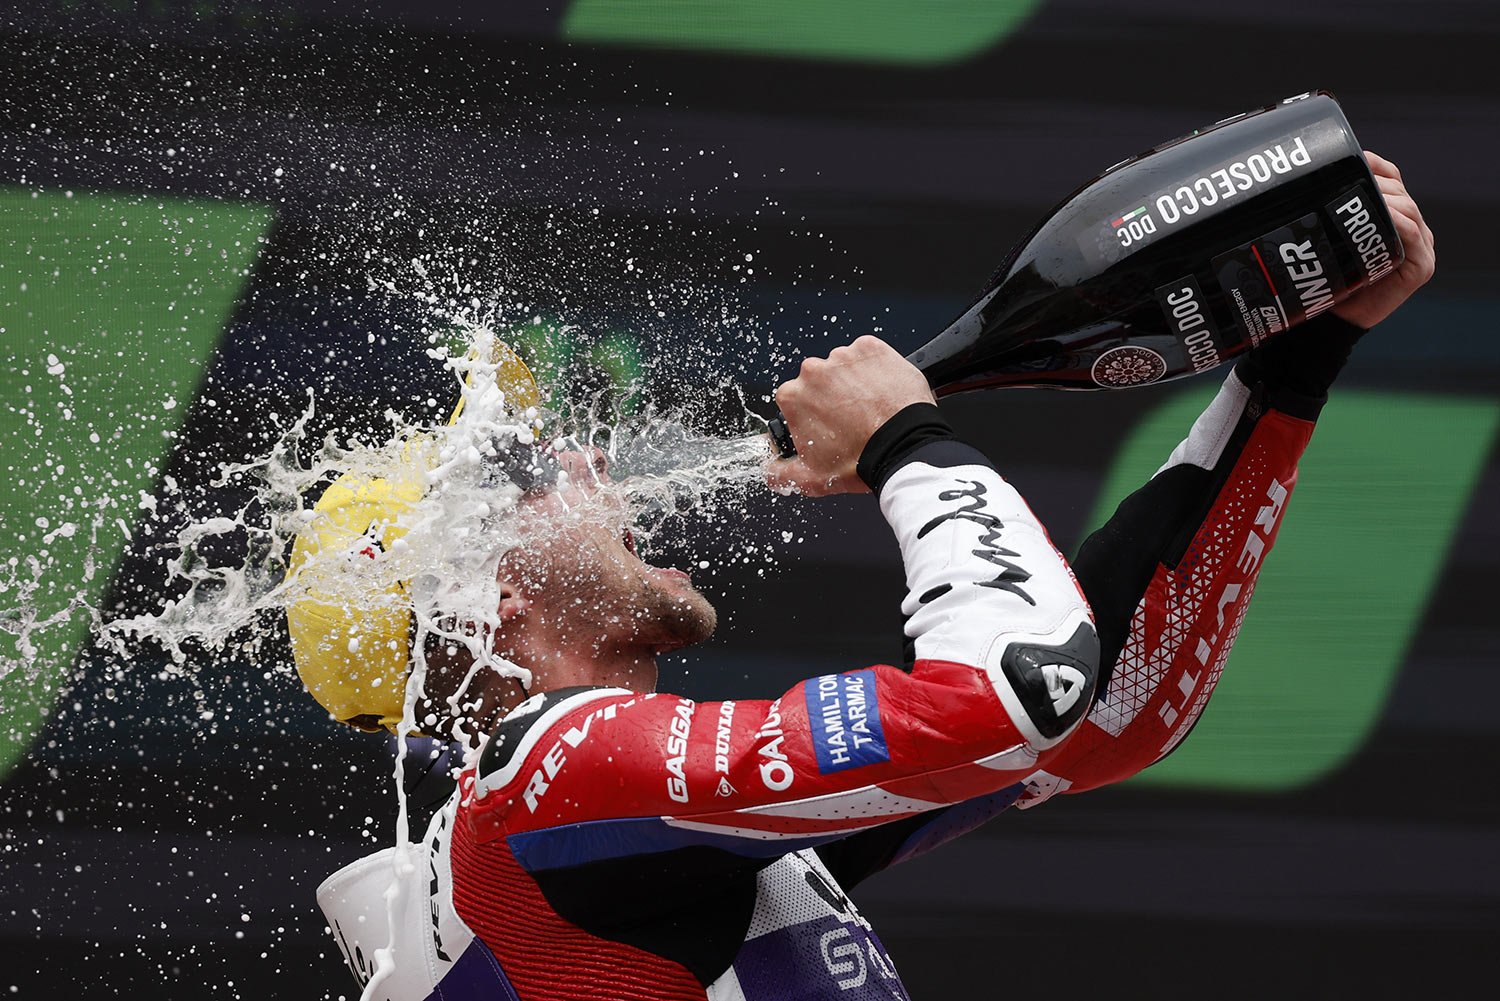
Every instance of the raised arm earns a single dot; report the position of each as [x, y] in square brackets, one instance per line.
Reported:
[1171, 574]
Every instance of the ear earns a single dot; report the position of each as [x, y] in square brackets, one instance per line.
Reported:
[512, 604]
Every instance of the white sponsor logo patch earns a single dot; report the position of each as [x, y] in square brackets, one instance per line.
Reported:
[775, 771]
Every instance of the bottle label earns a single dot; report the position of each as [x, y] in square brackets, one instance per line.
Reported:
[1141, 221]
[1189, 320]
[1359, 220]
[1285, 277]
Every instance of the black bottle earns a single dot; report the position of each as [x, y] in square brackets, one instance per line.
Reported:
[1176, 260]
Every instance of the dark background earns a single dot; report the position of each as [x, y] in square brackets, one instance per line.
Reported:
[875, 187]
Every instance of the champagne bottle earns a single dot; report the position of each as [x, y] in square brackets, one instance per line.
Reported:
[1176, 260]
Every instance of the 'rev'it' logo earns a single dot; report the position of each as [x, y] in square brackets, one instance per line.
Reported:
[1064, 684]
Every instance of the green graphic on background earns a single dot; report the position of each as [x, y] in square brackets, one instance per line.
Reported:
[558, 359]
[1379, 497]
[110, 309]
[884, 31]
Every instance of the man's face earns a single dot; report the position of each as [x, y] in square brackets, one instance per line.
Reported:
[577, 568]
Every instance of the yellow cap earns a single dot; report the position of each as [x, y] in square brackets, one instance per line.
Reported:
[354, 656]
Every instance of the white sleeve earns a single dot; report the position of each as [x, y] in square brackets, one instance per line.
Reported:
[986, 587]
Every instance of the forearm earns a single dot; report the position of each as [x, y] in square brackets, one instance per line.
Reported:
[985, 586]
[1171, 574]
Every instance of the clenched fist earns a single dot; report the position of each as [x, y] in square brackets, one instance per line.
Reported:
[833, 407]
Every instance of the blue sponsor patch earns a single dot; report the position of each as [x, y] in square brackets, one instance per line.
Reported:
[844, 713]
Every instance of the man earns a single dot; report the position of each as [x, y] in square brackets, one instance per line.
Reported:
[614, 843]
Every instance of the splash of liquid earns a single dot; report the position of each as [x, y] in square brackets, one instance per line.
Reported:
[452, 537]
[442, 568]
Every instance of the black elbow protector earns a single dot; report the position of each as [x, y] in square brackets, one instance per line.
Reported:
[1054, 683]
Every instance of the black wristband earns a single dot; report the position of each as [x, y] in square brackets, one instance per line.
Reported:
[1297, 367]
[913, 426]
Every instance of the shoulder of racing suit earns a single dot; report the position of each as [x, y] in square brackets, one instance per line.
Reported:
[524, 725]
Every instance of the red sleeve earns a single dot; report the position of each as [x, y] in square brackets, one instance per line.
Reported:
[1168, 633]
[830, 756]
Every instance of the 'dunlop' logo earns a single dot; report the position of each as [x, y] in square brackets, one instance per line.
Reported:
[1128, 366]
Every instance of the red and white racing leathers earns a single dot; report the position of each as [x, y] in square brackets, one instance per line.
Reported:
[618, 845]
